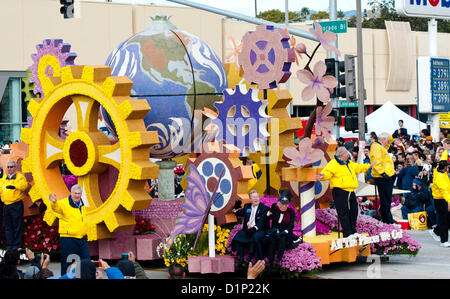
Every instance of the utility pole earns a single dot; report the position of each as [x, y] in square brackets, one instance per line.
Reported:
[335, 101]
[286, 23]
[361, 90]
[256, 9]
[433, 52]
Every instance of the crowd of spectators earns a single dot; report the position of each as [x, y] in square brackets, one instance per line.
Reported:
[415, 159]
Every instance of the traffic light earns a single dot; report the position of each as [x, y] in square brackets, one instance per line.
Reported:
[347, 78]
[331, 71]
[67, 8]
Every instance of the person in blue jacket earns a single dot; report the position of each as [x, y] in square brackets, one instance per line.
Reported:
[89, 270]
[416, 200]
[407, 175]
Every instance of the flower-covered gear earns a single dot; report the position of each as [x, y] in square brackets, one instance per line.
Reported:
[266, 56]
[51, 56]
[91, 153]
[242, 120]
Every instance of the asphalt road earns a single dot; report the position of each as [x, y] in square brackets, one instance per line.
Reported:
[431, 262]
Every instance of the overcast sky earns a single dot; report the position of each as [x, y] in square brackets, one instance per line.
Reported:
[247, 7]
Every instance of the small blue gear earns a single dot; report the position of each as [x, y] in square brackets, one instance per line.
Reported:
[242, 120]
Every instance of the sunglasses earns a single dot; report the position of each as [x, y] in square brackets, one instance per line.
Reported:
[11, 166]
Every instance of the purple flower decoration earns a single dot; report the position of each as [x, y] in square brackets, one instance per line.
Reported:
[317, 83]
[325, 38]
[324, 122]
[304, 155]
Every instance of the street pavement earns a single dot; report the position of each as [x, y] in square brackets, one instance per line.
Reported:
[431, 262]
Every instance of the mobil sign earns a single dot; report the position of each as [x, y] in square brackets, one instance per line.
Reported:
[424, 8]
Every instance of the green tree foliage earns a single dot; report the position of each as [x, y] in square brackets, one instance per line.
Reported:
[384, 10]
[340, 14]
[320, 15]
[277, 16]
[304, 13]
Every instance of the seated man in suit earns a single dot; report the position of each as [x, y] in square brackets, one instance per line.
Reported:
[254, 227]
[281, 237]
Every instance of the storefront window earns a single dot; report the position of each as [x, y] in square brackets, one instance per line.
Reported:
[11, 112]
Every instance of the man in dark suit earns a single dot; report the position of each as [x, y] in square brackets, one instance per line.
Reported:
[400, 131]
[254, 227]
[281, 236]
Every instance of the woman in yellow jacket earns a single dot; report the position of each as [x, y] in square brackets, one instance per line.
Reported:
[341, 172]
[72, 226]
[441, 196]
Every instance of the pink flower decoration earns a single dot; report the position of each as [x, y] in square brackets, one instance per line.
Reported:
[304, 155]
[324, 122]
[325, 38]
[318, 84]
[300, 49]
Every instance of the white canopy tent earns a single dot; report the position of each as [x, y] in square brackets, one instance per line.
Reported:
[385, 119]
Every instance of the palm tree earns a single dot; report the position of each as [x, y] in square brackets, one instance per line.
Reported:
[304, 12]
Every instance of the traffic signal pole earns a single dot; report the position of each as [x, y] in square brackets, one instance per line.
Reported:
[361, 90]
[335, 100]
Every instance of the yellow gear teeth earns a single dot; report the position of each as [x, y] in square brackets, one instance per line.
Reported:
[26, 135]
[89, 87]
[135, 109]
[33, 107]
[35, 193]
[96, 74]
[26, 164]
[143, 170]
[117, 86]
[119, 218]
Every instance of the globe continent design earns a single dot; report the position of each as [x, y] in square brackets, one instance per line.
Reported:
[177, 73]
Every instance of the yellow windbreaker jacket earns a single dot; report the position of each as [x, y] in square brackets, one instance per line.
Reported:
[441, 185]
[384, 163]
[343, 176]
[72, 220]
[14, 194]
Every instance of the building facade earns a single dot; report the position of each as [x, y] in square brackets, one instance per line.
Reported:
[389, 55]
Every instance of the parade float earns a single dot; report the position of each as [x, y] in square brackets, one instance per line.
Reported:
[164, 94]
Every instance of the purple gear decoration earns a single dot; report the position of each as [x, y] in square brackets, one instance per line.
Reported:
[266, 56]
[53, 47]
[242, 119]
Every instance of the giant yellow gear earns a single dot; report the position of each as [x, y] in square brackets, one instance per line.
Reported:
[87, 152]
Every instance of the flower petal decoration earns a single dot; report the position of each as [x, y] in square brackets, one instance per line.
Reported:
[325, 38]
[304, 155]
[324, 122]
[317, 83]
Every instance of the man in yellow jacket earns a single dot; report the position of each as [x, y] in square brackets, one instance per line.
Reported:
[341, 172]
[72, 226]
[12, 192]
[383, 172]
[441, 196]
[445, 156]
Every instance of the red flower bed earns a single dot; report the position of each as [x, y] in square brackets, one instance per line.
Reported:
[38, 236]
[143, 226]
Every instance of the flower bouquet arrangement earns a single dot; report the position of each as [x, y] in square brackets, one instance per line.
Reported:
[143, 226]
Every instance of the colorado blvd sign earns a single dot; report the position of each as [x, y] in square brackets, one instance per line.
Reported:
[439, 9]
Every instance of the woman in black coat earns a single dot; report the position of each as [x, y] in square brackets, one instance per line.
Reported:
[280, 236]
